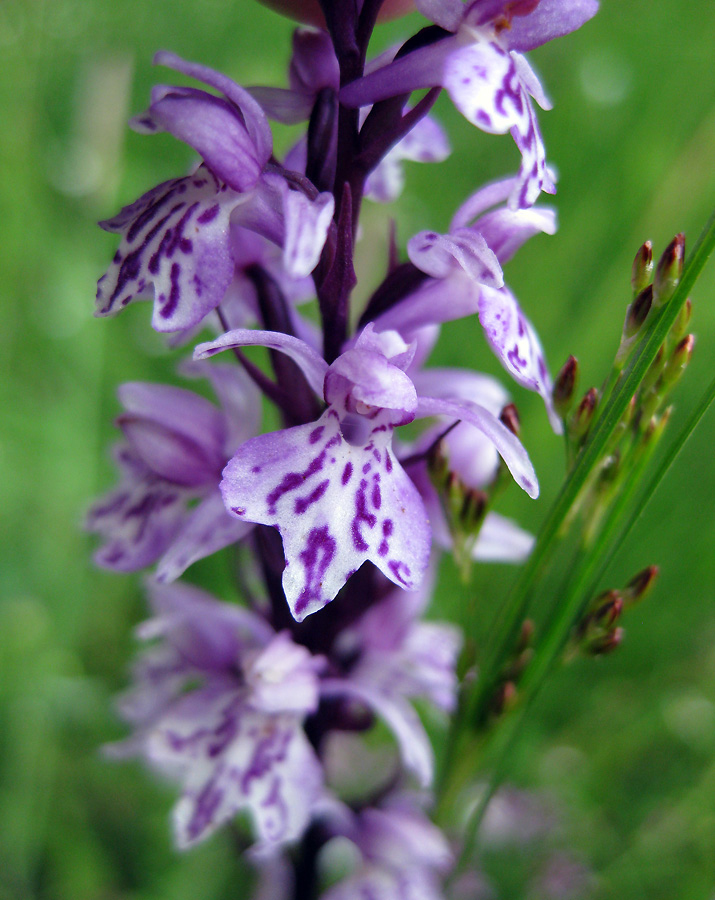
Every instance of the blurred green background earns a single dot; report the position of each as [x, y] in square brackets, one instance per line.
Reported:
[625, 743]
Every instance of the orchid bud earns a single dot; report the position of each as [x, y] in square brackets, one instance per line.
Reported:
[678, 361]
[642, 268]
[582, 417]
[680, 326]
[510, 417]
[565, 386]
[639, 585]
[637, 312]
[670, 268]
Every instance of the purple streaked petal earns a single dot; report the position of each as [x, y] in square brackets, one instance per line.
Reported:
[174, 240]
[229, 758]
[508, 445]
[550, 19]
[335, 505]
[253, 117]
[139, 519]
[398, 715]
[311, 363]
[483, 83]
[438, 255]
[306, 228]
[206, 530]
[534, 176]
[516, 344]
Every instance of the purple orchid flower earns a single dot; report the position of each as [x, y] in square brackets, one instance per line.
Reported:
[465, 277]
[333, 488]
[403, 855]
[480, 65]
[400, 658]
[177, 445]
[218, 703]
[176, 237]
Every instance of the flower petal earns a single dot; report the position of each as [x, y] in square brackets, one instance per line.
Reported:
[206, 530]
[229, 758]
[335, 505]
[251, 112]
[550, 19]
[398, 715]
[516, 344]
[174, 239]
[306, 228]
[439, 255]
[509, 446]
[311, 363]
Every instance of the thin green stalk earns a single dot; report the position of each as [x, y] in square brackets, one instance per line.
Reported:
[645, 352]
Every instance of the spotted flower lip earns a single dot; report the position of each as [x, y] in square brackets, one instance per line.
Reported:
[176, 239]
[218, 703]
[334, 488]
[488, 80]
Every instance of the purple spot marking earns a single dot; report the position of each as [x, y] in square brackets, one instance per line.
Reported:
[174, 295]
[366, 468]
[515, 359]
[483, 118]
[388, 461]
[293, 480]
[208, 215]
[398, 569]
[314, 436]
[347, 473]
[376, 495]
[361, 515]
[387, 527]
[239, 510]
[318, 554]
[302, 503]
[256, 470]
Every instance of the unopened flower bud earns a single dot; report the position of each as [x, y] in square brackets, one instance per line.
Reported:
[637, 312]
[639, 585]
[608, 607]
[582, 417]
[670, 268]
[565, 386]
[678, 361]
[607, 643]
[680, 326]
[510, 417]
[504, 698]
[474, 506]
[642, 268]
